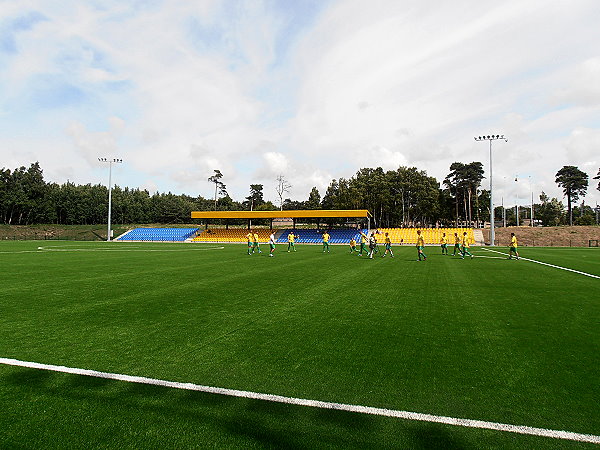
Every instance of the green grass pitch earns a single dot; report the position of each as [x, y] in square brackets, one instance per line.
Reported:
[489, 339]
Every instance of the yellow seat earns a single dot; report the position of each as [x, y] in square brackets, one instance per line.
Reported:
[432, 236]
[230, 236]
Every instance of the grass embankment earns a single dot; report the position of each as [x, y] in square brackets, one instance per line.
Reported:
[70, 232]
[575, 236]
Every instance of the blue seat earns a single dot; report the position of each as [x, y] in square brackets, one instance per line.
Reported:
[160, 234]
[315, 236]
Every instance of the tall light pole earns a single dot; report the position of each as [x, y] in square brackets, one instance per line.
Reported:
[517, 199]
[491, 138]
[110, 163]
[503, 208]
[531, 189]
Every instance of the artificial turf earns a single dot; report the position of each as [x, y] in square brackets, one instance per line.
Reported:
[504, 341]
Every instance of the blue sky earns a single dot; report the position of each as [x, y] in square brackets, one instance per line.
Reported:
[312, 90]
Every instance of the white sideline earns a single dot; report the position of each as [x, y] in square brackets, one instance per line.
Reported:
[490, 257]
[546, 264]
[131, 249]
[521, 429]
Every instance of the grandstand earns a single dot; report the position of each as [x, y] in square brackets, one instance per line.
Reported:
[158, 234]
[305, 236]
[314, 236]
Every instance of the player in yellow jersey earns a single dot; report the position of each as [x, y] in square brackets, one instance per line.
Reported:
[420, 246]
[255, 244]
[465, 246]
[353, 246]
[291, 241]
[444, 242]
[250, 238]
[363, 243]
[513, 246]
[326, 242]
[388, 246]
[456, 244]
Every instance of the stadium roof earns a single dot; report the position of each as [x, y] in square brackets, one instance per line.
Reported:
[287, 214]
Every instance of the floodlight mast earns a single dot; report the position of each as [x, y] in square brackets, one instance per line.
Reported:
[531, 189]
[110, 162]
[491, 138]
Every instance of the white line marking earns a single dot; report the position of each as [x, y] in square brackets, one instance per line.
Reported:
[407, 415]
[56, 249]
[546, 264]
[490, 257]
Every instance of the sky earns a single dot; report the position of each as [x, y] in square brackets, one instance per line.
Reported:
[309, 89]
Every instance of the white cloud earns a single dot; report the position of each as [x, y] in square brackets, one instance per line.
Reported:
[381, 157]
[448, 72]
[181, 88]
[150, 186]
[583, 145]
[583, 84]
[276, 163]
[91, 145]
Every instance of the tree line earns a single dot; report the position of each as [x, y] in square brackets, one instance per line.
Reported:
[406, 196]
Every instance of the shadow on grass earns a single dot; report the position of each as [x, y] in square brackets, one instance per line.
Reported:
[28, 377]
[431, 435]
[206, 418]
[88, 382]
[344, 419]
